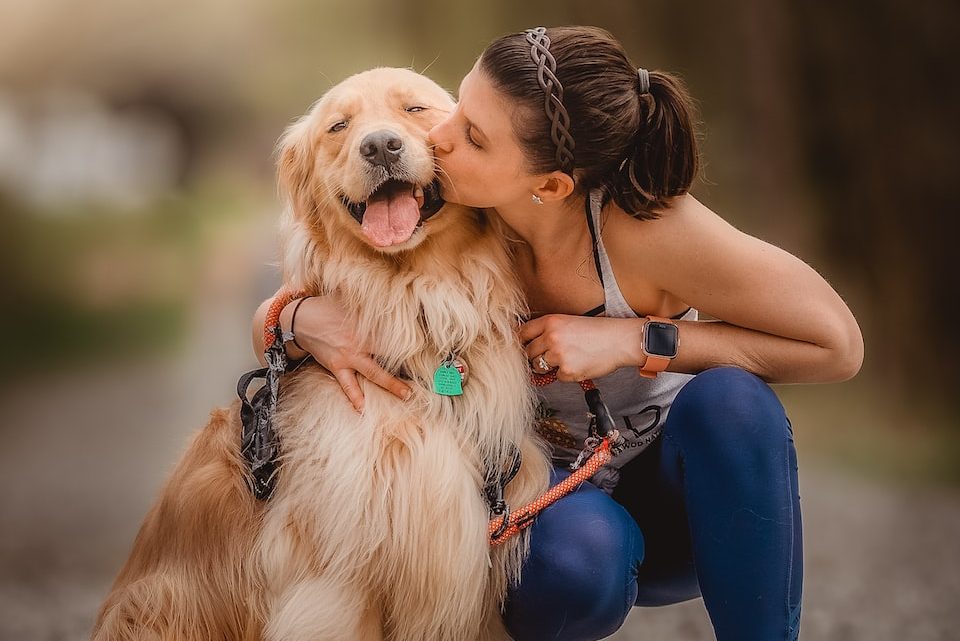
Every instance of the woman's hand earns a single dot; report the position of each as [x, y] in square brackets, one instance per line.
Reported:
[581, 346]
[321, 329]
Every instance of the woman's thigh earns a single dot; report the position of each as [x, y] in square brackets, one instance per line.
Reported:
[721, 488]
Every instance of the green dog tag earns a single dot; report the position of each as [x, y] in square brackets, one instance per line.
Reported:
[447, 380]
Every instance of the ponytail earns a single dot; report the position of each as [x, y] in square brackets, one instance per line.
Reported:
[664, 158]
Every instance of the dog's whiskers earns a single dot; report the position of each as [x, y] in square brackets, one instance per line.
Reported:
[327, 192]
[437, 167]
[424, 70]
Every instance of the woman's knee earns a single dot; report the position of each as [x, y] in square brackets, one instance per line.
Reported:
[727, 405]
[580, 578]
[590, 541]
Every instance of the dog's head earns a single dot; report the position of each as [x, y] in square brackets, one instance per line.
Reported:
[358, 160]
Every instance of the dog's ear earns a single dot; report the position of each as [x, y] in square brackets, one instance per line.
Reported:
[296, 160]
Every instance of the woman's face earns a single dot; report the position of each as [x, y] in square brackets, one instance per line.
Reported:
[479, 157]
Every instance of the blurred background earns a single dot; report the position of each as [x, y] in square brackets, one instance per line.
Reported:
[137, 236]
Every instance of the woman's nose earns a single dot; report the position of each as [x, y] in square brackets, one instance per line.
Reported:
[437, 138]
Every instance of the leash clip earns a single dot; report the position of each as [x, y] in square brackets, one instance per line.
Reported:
[590, 445]
[494, 488]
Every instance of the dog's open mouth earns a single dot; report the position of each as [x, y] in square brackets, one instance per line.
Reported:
[394, 210]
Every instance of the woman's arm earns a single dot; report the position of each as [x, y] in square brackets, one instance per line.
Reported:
[779, 318]
[322, 331]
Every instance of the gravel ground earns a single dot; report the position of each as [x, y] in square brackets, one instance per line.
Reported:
[83, 459]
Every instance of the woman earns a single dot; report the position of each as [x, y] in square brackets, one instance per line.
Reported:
[589, 160]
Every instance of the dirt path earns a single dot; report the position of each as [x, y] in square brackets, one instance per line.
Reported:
[82, 460]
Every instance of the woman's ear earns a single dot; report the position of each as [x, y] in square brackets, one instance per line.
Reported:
[295, 168]
[555, 186]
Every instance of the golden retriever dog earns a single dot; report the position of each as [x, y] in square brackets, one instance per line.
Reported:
[378, 525]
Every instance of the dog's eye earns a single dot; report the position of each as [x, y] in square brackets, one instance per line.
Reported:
[340, 126]
[416, 109]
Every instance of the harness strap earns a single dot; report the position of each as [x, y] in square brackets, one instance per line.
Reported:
[259, 443]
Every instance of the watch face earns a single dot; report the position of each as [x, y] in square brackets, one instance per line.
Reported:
[660, 339]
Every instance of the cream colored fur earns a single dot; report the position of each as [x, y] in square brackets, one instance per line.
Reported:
[378, 527]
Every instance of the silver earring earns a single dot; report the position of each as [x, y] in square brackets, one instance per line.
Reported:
[537, 199]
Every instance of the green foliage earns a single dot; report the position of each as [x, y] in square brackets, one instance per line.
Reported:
[90, 284]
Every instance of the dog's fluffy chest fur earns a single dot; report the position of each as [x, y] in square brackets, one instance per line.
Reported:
[408, 475]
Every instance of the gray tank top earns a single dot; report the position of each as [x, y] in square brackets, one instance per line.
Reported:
[639, 405]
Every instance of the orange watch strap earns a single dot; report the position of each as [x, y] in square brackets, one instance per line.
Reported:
[654, 363]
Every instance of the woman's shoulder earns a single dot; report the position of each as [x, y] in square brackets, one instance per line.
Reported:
[683, 227]
[648, 255]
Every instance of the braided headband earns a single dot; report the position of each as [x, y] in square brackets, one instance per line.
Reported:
[553, 96]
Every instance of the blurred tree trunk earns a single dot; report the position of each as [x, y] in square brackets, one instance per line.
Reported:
[764, 76]
[879, 125]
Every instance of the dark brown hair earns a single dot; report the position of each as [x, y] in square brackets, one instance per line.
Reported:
[640, 149]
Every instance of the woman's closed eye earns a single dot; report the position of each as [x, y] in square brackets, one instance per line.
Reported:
[470, 141]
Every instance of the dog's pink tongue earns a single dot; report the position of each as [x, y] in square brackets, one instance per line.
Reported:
[390, 220]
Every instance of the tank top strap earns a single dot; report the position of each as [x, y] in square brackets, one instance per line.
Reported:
[615, 304]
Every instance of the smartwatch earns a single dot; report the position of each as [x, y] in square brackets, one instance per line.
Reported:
[660, 344]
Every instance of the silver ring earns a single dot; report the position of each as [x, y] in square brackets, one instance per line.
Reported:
[542, 363]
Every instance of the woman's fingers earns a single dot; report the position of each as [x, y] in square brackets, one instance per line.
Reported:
[368, 368]
[372, 371]
[532, 328]
[542, 363]
[535, 348]
[351, 387]
[321, 329]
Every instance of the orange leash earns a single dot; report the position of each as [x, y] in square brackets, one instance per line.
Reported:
[279, 301]
[524, 516]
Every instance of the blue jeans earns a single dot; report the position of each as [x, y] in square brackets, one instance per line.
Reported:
[710, 509]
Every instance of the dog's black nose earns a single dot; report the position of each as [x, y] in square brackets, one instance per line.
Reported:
[381, 148]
